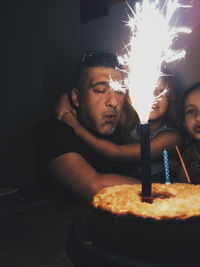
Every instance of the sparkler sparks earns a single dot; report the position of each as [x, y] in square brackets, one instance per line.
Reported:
[150, 45]
[152, 36]
[118, 86]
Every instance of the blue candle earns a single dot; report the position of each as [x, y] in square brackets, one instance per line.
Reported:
[166, 164]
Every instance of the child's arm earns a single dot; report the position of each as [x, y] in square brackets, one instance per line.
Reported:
[129, 152]
[165, 140]
[103, 146]
[63, 106]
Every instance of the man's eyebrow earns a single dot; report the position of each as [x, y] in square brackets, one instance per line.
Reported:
[99, 83]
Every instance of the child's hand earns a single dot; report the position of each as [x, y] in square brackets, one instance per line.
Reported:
[70, 118]
[63, 107]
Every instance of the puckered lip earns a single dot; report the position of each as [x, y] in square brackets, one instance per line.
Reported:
[110, 117]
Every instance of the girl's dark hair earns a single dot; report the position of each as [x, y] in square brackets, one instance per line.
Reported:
[173, 82]
[129, 120]
[192, 88]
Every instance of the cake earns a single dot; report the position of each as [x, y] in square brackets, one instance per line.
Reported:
[167, 227]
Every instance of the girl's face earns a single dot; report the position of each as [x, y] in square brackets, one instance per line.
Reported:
[160, 108]
[192, 114]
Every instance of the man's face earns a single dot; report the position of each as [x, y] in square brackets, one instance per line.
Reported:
[99, 105]
[192, 114]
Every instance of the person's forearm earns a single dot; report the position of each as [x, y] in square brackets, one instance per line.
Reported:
[129, 152]
[107, 148]
[84, 180]
[63, 107]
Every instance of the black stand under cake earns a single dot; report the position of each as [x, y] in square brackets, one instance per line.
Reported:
[85, 249]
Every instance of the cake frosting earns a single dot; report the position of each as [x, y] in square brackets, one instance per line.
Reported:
[173, 201]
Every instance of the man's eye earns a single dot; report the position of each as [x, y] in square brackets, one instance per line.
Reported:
[99, 90]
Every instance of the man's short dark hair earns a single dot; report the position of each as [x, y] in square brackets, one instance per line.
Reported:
[94, 59]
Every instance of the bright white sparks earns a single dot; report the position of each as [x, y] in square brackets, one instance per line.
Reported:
[152, 36]
[118, 86]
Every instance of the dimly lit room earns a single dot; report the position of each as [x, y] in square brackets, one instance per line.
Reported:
[48, 220]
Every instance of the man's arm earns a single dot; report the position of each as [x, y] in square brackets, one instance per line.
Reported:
[73, 171]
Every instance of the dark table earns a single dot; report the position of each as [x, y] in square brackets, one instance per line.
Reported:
[34, 231]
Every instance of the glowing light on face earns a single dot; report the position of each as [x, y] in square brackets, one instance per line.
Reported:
[159, 97]
[150, 45]
[118, 86]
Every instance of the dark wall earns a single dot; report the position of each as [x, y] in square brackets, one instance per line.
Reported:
[41, 40]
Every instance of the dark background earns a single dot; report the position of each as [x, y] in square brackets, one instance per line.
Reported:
[40, 42]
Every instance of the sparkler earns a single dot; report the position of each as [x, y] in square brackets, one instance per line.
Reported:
[152, 36]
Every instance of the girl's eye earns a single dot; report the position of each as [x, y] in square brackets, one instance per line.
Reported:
[190, 112]
[158, 91]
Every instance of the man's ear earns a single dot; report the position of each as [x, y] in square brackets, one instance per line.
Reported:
[75, 97]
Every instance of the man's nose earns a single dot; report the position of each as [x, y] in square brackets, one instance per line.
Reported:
[112, 99]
